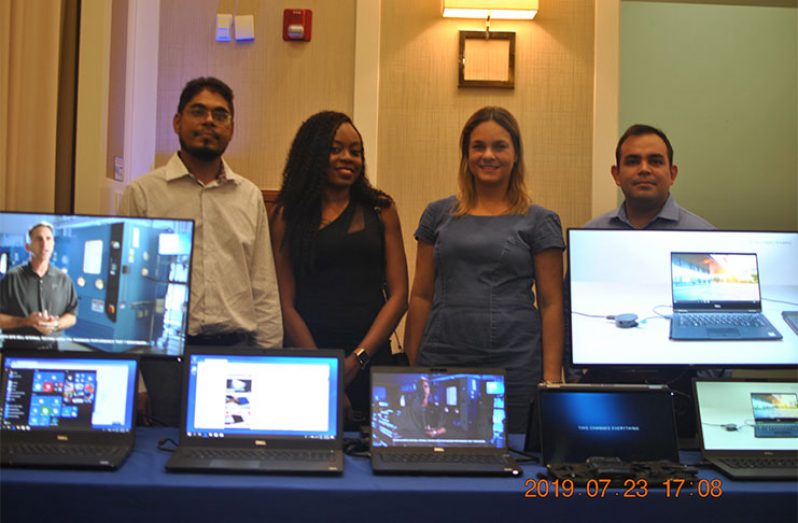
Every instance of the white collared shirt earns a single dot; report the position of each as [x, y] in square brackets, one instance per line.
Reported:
[233, 281]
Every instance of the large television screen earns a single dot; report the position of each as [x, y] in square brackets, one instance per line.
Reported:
[131, 277]
[703, 298]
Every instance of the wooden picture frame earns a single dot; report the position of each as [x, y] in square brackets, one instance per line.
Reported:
[487, 59]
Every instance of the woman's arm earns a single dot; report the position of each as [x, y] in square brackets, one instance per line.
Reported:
[548, 281]
[296, 331]
[420, 299]
[396, 285]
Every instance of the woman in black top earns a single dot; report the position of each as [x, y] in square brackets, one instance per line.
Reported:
[339, 253]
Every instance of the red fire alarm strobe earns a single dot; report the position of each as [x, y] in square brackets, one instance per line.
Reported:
[297, 25]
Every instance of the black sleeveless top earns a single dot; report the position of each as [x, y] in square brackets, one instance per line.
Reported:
[342, 295]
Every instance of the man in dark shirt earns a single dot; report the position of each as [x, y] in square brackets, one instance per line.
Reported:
[37, 299]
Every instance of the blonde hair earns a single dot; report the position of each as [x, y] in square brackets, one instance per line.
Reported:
[517, 195]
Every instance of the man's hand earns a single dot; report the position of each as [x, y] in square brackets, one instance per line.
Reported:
[43, 322]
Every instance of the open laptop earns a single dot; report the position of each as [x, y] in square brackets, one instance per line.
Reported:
[628, 422]
[67, 410]
[261, 411]
[728, 426]
[716, 297]
[439, 421]
[775, 414]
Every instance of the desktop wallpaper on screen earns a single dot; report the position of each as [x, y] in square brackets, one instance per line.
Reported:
[68, 394]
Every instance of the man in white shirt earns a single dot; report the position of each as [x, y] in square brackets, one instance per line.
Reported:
[234, 298]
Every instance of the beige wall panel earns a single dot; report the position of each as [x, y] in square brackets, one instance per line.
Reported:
[116, 85]
[30, 35]
[422, 110]
[277, 84]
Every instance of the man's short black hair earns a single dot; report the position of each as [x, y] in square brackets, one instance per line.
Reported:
[197, 85]
[40, 224]
[640, 129]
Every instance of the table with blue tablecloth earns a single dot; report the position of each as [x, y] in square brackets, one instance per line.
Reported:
[142, 491]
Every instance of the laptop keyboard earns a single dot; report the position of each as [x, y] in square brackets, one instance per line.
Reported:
[444, 457]
[28, 449]
[715, 319]
[761, 463]
[776, 429]
[320, 456]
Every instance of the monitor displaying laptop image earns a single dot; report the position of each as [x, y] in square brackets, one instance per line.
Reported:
[749, 427]
[130, 275]
[669, 297]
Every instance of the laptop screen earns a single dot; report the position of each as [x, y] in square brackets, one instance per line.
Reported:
[579, 422]
[130, 277]
[716, 282]
[775, 406]
[648, 273]
[739, 415]
[419, 408]
[248, 396]
[68, 394]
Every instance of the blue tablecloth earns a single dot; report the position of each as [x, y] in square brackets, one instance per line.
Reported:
[142, 492]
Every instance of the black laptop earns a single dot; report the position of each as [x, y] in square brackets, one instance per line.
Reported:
[627, 422]
[439, 421]
[67, 410]
[716, 297]
[747, 427]
[261, 411]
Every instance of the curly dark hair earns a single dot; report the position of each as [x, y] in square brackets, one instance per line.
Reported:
[304, 179]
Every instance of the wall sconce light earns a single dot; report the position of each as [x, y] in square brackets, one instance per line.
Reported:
[491, 9]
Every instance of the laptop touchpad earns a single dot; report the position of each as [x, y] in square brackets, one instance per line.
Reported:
[234, 464]
[723, 332]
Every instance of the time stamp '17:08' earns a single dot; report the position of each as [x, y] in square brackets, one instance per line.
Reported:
[632, 488]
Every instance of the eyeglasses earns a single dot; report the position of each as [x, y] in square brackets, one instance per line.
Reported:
[220, 116]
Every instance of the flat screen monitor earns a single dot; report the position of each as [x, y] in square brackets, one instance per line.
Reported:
[130, 275]
[634, 294]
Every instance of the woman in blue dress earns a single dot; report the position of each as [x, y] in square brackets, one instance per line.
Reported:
[479, 253]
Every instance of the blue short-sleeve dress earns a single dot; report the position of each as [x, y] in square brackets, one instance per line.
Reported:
[483, 312]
